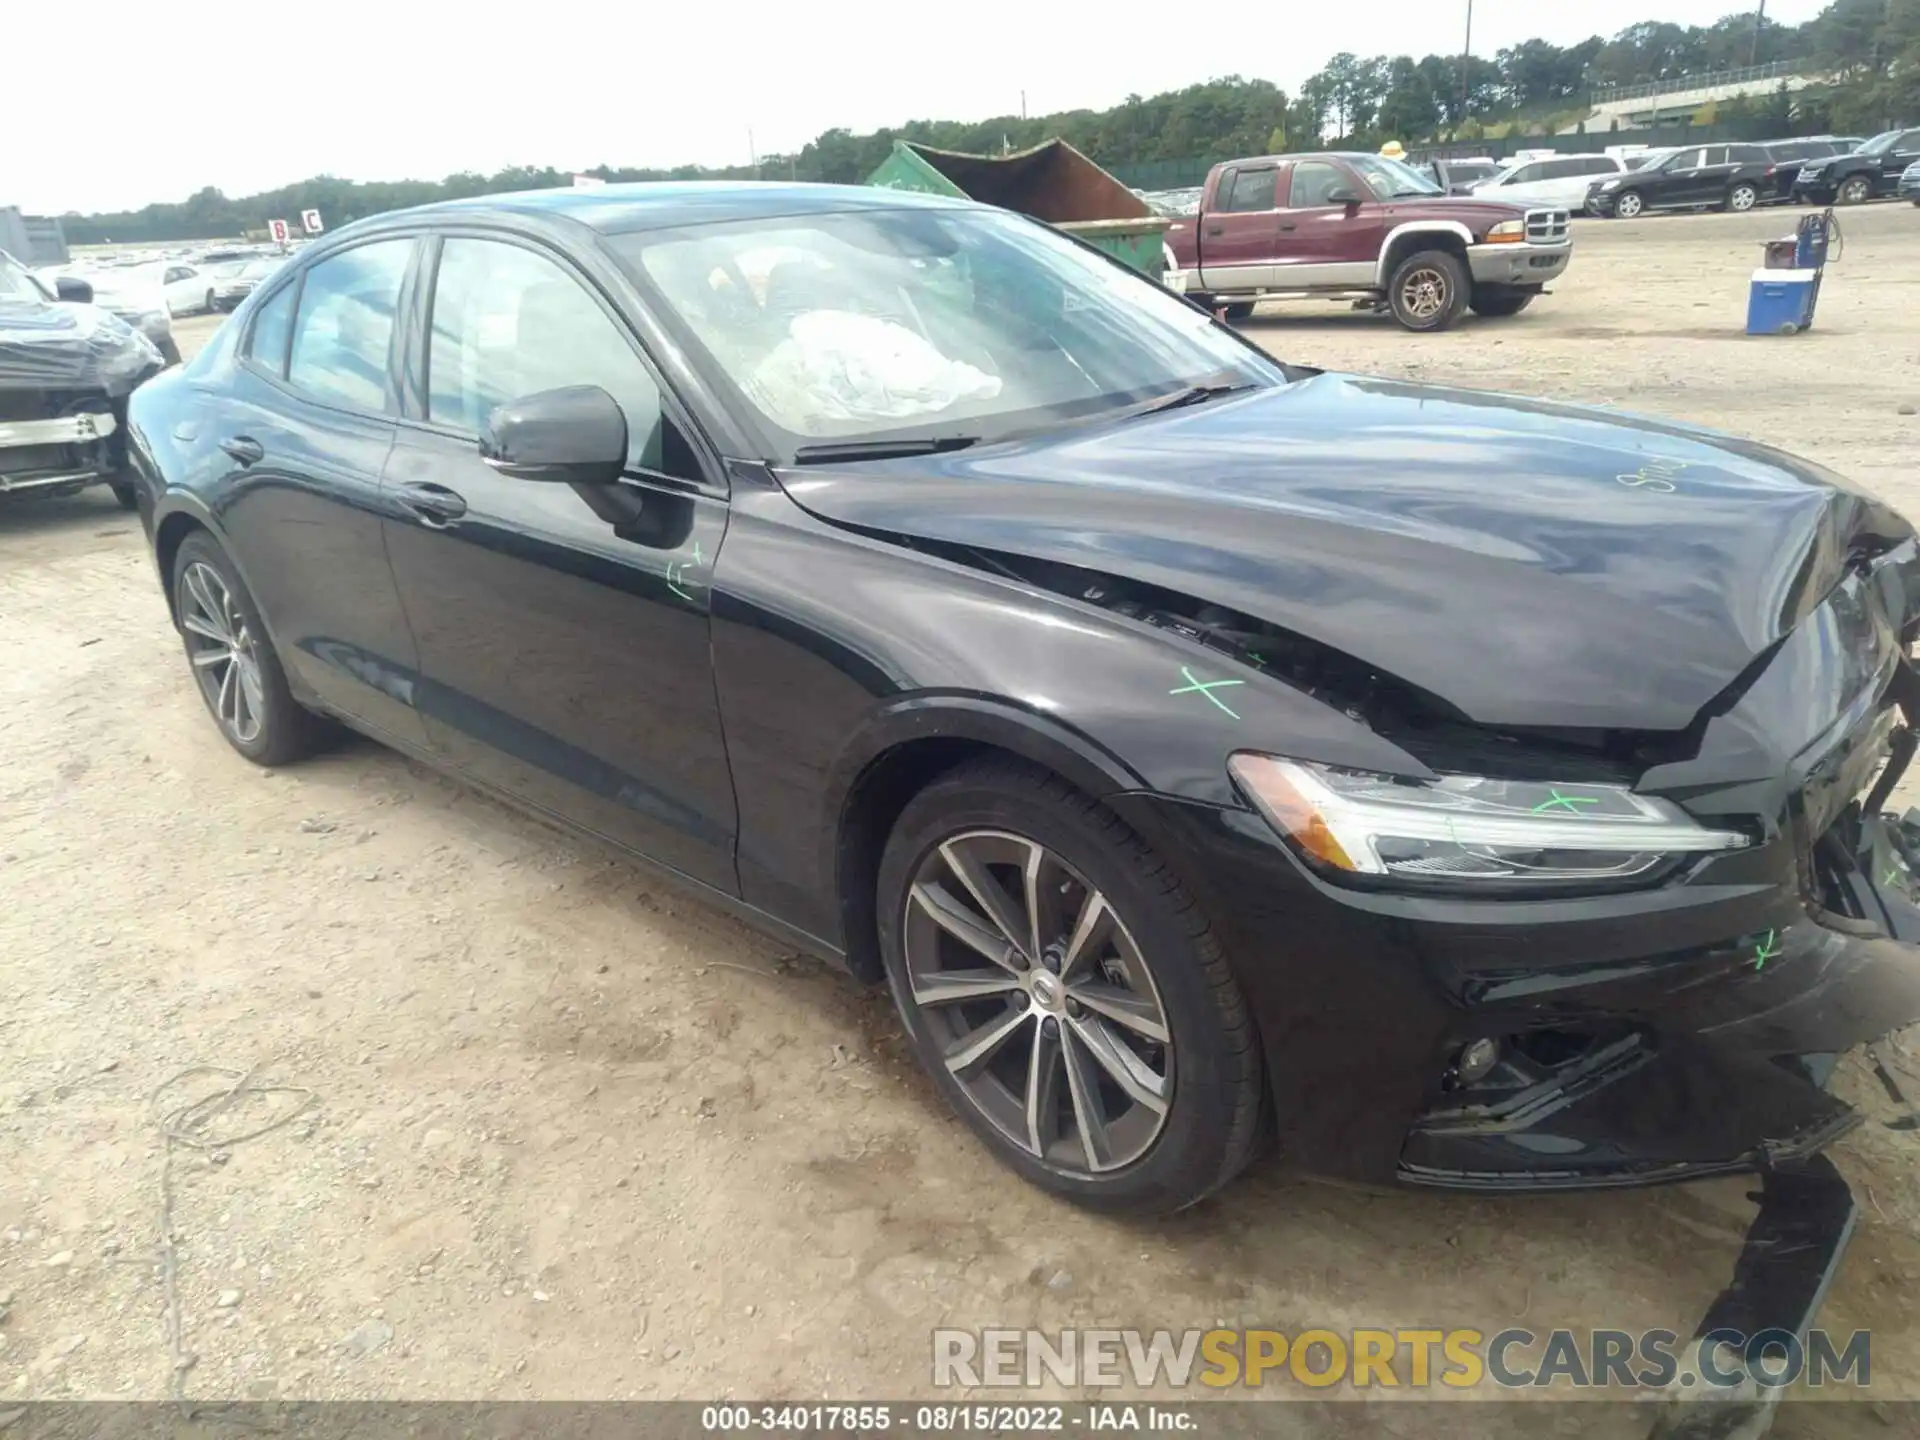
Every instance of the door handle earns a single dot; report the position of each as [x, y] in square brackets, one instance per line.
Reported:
[435, 504]
[244, 449]
[1290, 225]
[1216, 230]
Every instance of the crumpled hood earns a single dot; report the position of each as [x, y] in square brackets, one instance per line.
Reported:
[70, 347]
[1527, 562]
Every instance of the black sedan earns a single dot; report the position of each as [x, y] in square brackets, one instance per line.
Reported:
[1719, 177]
[1466, 791]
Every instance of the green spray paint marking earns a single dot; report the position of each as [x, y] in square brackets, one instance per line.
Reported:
[1571, 803]
[1892, 875]
[674, 574]
[696, 552]
[1206, 688]
[1766, 950]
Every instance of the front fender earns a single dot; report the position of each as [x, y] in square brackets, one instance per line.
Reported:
[833, 648]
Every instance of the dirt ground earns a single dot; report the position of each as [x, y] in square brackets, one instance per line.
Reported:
[569, 1134]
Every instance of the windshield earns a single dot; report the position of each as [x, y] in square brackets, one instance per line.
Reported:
[1391, 179]
[875, 325]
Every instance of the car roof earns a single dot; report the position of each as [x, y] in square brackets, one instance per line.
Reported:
[658, 205]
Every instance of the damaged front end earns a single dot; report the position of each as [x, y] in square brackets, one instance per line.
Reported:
[65, 374]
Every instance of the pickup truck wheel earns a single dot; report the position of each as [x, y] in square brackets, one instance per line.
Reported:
[1239, 310]
[1857, 190]
[1428, 290]
[1496, 304]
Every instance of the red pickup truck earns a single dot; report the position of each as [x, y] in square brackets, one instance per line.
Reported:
[1360, 227]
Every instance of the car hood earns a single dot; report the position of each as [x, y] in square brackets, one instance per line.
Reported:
[1526, 562]
[70, 347]
[1475, 211]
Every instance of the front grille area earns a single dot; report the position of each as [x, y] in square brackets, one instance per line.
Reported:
[1546, 227]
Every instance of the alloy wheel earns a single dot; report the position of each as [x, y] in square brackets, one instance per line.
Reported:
[1425, 292]
[1044, 1008]
[1627, 206]
[221, 646]
[1743, 198]
[1855, 191]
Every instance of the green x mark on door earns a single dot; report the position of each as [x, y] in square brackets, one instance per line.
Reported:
[1206, 687]
[1569, 803]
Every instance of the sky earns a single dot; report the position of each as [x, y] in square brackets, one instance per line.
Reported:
[249, 97]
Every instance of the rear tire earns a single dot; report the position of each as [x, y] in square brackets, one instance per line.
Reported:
[1237, 311]
[1046, 1096]
[1742, 198]
[1497, 304]
[1428, 290]
[246, 693]
[125, 494]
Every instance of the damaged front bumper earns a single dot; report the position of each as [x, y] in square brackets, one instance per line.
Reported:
[58, 451]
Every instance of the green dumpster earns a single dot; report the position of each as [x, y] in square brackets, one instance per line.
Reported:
[1052, 182]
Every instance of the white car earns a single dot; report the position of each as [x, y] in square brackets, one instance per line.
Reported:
[189, 289]
[1561, 181]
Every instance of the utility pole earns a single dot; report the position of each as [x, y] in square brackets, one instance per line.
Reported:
[1466, 64]
[1023, 104]
[1759, 19]
[753, 156]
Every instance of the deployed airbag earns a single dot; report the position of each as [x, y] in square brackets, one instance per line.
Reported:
[837, 368]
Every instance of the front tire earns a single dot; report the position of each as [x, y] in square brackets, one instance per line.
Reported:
[1067, 996]
[1855, 190]
[1742, 198]
[1428, 290]
[169, 349]
[1628, 204]
[233, 660]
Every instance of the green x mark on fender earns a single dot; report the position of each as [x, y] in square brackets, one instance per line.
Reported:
[1569, 803]
[1206, 688]
[1767, 949]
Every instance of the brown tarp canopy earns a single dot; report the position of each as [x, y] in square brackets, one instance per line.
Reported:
[1052, 182]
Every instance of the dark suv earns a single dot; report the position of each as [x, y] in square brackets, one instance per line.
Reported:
[1873, 169]
[1724, 177]
[1788, 157]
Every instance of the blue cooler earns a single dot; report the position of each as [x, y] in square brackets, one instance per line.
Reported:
[1780, 302]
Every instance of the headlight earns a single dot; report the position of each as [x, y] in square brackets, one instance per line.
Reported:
[1507, 232]
[1609, 184]
[1465, 832]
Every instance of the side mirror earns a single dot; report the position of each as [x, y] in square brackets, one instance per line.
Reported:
[72, 290]
[576, 435]
[1343, 195]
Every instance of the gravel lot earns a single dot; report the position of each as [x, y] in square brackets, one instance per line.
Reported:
[571, 1135]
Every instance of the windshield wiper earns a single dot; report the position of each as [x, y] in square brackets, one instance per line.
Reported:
[1192, 395]
[831, 451]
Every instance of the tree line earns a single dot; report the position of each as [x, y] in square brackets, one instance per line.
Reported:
[1870, 48]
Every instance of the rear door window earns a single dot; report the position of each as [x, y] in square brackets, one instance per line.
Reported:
[1249, 191]
[272, 325]
[343, 335]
